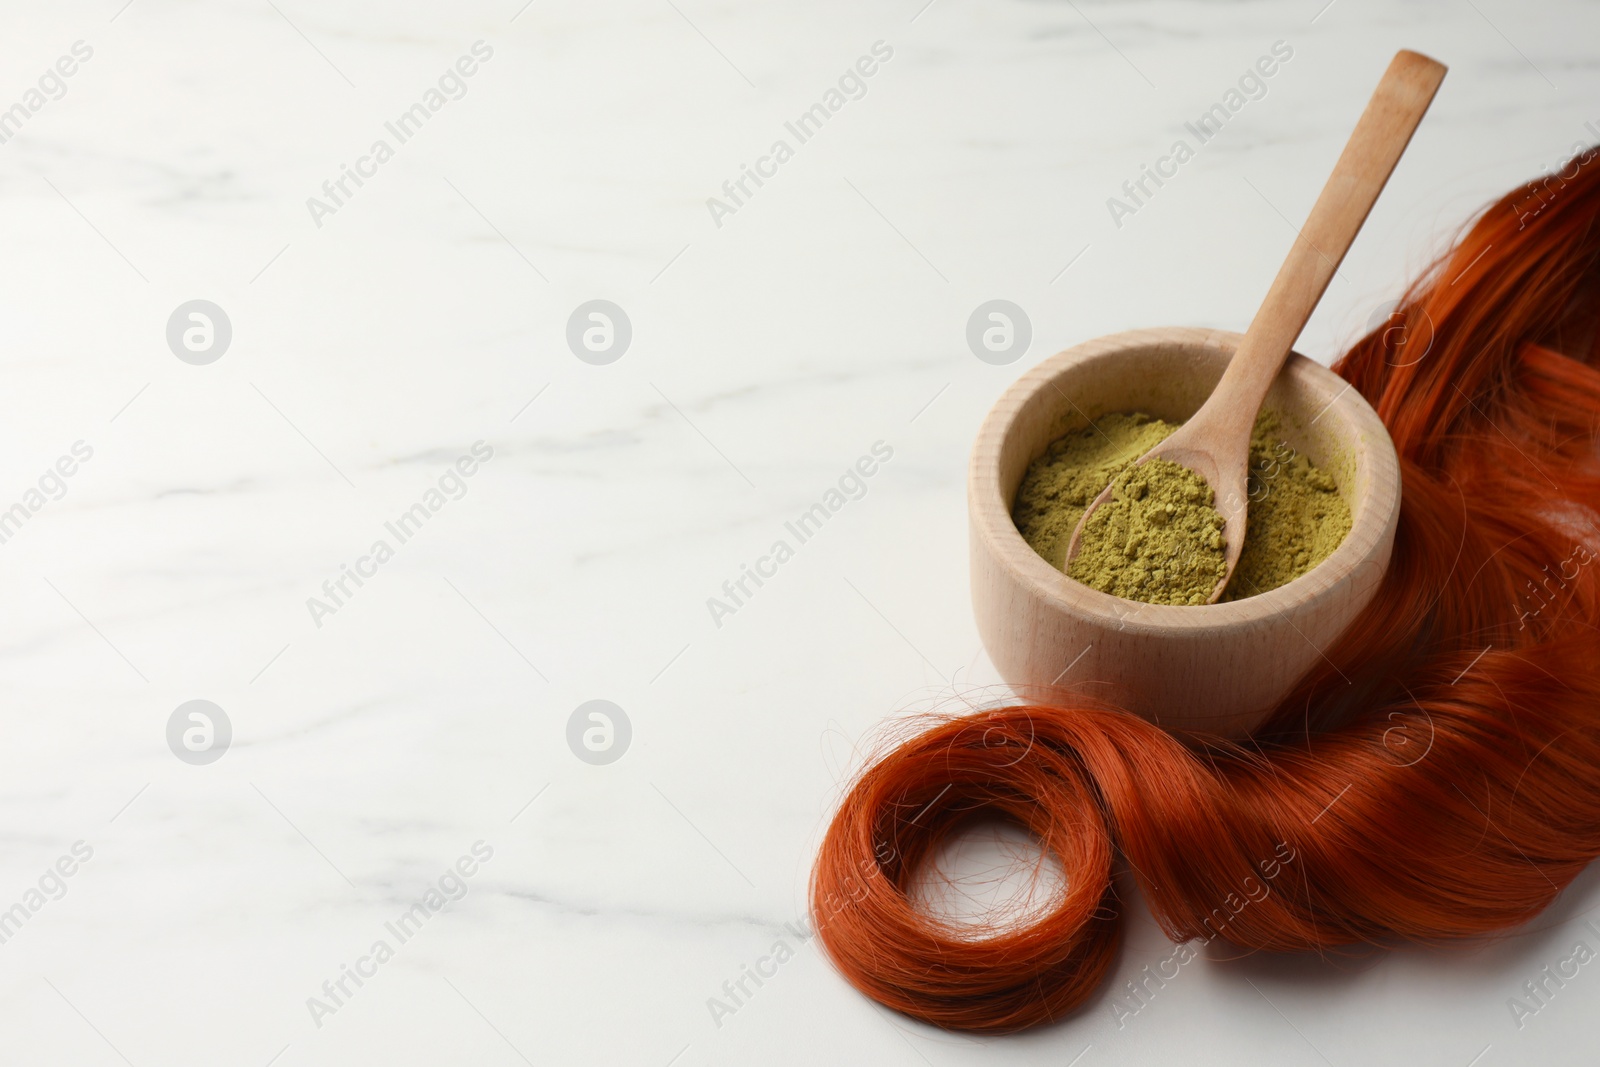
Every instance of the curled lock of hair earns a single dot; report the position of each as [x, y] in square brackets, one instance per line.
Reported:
[1434, 778]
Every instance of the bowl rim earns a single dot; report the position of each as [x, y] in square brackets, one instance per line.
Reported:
[1374, 525]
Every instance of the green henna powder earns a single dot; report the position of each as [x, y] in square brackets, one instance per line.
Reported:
[1158, 539]
[1060, 484]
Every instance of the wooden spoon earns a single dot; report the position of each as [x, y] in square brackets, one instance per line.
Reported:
[1215, 441]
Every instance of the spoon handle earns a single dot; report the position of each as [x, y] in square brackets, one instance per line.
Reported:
[1375, 146]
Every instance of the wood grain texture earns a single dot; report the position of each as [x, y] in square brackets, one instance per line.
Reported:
[1216, 668]
[1215, 443]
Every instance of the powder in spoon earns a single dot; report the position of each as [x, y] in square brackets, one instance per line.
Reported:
[1158, 539]
[1296, 516]
[1061, 483]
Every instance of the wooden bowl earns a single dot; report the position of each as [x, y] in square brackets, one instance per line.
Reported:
[1212, 669]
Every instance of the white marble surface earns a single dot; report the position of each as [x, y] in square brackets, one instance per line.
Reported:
[826, 314]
